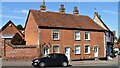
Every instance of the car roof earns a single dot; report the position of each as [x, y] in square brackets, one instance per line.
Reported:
[57, 53]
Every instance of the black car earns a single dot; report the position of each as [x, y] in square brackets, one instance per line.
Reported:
[51, 60]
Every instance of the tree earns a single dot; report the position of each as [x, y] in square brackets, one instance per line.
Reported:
[20, 27]
[118, 40]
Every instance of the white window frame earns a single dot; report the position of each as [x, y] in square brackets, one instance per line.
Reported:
[55, 31]
[58, 48]
[88, 49]
[79, 49]
[75, 35]
[88, 34]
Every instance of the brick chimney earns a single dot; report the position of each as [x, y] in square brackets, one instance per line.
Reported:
[96, 14]
[62, 9]
[43, 7]
[76, 11]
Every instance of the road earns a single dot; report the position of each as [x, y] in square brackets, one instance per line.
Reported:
[83, 64]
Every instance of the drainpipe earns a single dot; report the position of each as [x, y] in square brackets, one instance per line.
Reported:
[39, 47]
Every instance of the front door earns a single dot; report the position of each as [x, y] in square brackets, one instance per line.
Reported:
[67, 52]
[96, 51]
[45, 51]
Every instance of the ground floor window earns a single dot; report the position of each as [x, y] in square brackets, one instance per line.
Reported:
[77, 49]
[56, 49]
[87, 49]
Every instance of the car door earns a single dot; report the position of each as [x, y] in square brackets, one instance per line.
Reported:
[50, 61]
[57, 59]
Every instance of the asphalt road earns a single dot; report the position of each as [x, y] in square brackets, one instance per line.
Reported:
[73, 64]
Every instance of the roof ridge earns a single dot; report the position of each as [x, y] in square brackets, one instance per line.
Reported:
[58, 13]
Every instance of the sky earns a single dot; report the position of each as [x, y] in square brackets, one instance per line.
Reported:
[18, 11]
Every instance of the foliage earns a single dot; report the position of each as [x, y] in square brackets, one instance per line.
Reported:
[20, 27]
[118, 40]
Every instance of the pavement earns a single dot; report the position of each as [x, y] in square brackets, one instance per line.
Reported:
[72, 63]
[0, 62]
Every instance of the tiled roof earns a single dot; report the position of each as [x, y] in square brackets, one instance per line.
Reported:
[56, 19]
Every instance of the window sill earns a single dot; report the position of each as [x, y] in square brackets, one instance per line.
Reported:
[87, 53]
[87, 39]
[56, 39]
[77, 54]
[77, 40]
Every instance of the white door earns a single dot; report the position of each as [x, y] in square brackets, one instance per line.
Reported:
[96, 51]
[45, 51]
[67, 52]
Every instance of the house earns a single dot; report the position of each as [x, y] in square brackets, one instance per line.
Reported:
[77, 36]
[13, 44]
[109, 36]
[116, 46]
[0, 44]
[9, 30]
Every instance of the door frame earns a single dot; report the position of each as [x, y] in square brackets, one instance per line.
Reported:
[97, 51]
[69, 57]
[44, 48]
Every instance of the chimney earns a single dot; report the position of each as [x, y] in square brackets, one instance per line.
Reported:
[62, 9]
[43, 7]
[96, 14]
[76, 11]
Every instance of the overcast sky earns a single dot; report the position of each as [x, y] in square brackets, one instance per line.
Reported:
[18, 11]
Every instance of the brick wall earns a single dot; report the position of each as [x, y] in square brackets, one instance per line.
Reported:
[19, 53]
[31, 31]
[67, 40]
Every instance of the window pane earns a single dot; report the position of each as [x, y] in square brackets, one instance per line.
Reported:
[77, 49]
[87, 35]
[87, 49]
[55, 34]
[55, 49]
[77, 35]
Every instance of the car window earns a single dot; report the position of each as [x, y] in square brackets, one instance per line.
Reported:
[50, 56]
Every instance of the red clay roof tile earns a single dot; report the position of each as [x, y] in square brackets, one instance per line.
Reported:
[56, 19]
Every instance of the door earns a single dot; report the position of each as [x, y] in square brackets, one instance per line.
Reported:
[96, 51]
[45, 51]
[67, 52]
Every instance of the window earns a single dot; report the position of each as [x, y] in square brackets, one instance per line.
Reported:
[87, 49]
[77, 35]
[55, 34]
[56, 49]
[87, 35]
[77, 49]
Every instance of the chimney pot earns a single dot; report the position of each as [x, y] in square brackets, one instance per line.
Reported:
[43, 7]
[62, 9]
[76, 11]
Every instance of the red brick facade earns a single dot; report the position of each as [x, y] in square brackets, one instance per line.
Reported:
[39, 34]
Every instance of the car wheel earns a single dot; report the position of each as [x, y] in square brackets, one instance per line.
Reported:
[64, 64]
[42, 64]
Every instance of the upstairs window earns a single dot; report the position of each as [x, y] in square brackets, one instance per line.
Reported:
[87, 35]
[55, 34]
[77, 35]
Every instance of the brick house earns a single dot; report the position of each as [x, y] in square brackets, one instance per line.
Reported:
[109, 36]
[72, 34]
[116, 45]
[0, 44]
